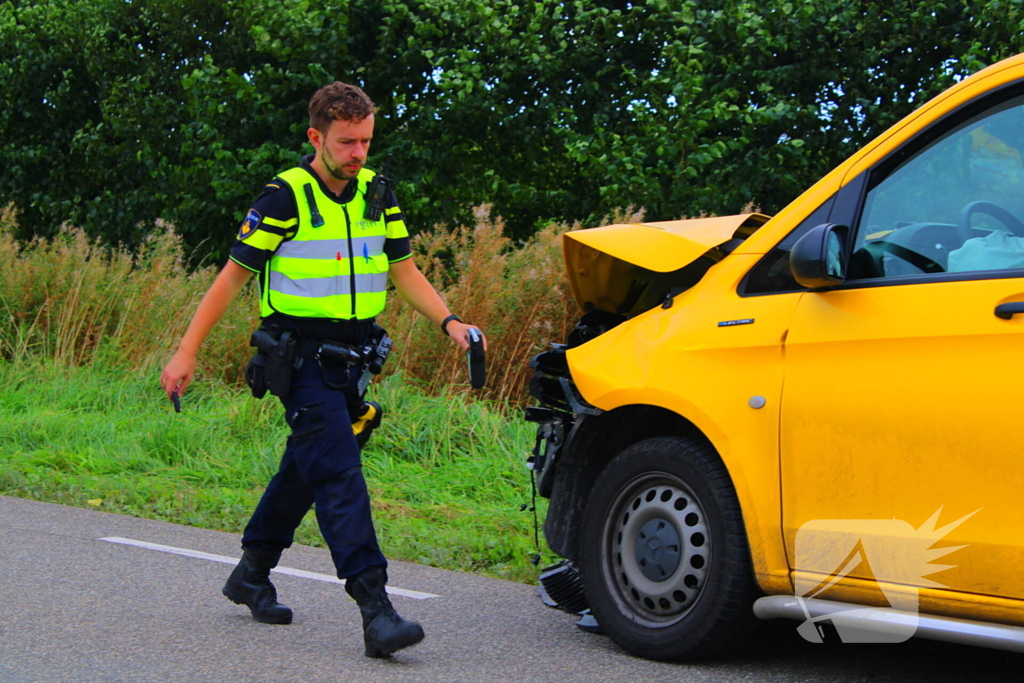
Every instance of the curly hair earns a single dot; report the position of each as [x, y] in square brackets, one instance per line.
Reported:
[338, 102]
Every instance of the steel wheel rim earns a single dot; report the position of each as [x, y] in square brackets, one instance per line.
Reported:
[652, 584]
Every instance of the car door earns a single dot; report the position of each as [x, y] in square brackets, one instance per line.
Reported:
[903, 386]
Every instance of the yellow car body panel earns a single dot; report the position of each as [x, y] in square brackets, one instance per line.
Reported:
[752, 373]
[912, 331]
[661, 247]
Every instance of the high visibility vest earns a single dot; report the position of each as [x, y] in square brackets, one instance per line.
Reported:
[335, 270]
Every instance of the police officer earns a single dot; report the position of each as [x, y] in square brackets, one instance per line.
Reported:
[323, 262]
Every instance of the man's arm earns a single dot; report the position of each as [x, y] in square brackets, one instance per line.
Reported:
[178, 373]
[421, 295]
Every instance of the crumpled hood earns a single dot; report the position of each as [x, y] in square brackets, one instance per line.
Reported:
[630, 268]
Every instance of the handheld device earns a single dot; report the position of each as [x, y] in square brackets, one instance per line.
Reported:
[377, 192]
[176, 401]
[475, 357]
[375, 354]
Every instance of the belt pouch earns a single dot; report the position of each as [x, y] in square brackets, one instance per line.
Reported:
[337, 362]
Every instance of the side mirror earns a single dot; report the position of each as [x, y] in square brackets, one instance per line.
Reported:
[818, 259]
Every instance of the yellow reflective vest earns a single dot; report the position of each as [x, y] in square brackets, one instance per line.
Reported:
[337, 269]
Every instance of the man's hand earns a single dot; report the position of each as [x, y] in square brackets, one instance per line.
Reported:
[178, 373]
[457, 331]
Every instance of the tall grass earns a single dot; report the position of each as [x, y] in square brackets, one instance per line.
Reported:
[76, 301]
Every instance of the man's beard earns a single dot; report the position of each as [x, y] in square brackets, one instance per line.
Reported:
[341, 174]
[336, 170]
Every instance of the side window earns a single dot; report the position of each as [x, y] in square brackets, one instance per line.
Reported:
[955, 206]
[772, 275]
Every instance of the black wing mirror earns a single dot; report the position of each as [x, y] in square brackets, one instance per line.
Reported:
[818, 259]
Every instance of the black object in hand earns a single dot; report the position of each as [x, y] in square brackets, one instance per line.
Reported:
[475, 356]
[176, 401]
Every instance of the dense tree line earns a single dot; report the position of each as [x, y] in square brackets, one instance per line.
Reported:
[116, 113]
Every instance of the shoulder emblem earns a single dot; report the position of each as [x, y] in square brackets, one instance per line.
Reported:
[249, 225]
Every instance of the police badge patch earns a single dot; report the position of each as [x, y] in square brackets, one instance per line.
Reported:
[249, 225]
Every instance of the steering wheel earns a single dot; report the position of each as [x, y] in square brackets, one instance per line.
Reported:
[963, 223]
[924, 263]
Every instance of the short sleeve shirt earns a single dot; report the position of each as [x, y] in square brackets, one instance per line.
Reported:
[273, 219]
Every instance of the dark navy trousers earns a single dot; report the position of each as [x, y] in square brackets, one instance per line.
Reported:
[320, 467]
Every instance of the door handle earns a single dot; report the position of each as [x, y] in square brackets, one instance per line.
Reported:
[1007, 311]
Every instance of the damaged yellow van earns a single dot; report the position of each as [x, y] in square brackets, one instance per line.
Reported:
[813, 415]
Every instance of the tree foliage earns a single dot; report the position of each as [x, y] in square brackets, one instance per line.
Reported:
[119, 112]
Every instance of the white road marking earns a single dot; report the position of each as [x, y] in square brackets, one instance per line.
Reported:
[327, 578]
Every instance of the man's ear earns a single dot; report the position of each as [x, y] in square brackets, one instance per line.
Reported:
[316, 138]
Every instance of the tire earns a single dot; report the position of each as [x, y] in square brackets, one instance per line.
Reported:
[664, 556]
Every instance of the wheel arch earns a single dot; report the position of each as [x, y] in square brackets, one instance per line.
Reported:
[595, 440]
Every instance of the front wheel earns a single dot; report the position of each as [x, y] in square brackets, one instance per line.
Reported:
[664, 557]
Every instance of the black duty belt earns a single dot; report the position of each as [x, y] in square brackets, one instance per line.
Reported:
[288, 346]
[281, 352]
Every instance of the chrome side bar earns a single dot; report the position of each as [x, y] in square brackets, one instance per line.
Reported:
[890, 622]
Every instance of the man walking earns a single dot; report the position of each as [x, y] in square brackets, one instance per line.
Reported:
[323, 238]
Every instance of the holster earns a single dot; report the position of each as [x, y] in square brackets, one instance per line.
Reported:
[276, 358]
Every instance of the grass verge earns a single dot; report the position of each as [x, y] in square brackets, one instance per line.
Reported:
[446, 473]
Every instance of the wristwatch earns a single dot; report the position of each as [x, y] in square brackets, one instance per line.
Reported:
[444, 323]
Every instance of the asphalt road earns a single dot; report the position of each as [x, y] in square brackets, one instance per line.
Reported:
[77, 609]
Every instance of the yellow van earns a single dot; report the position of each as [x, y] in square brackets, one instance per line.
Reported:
[812, 415]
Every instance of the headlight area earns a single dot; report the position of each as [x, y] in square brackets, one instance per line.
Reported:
[561, 405]
[555, 417]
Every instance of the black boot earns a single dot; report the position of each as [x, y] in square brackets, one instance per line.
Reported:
[249, 585]
[383, 630]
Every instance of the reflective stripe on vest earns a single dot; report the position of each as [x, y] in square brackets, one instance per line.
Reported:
[337, 270]
[321, 287]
